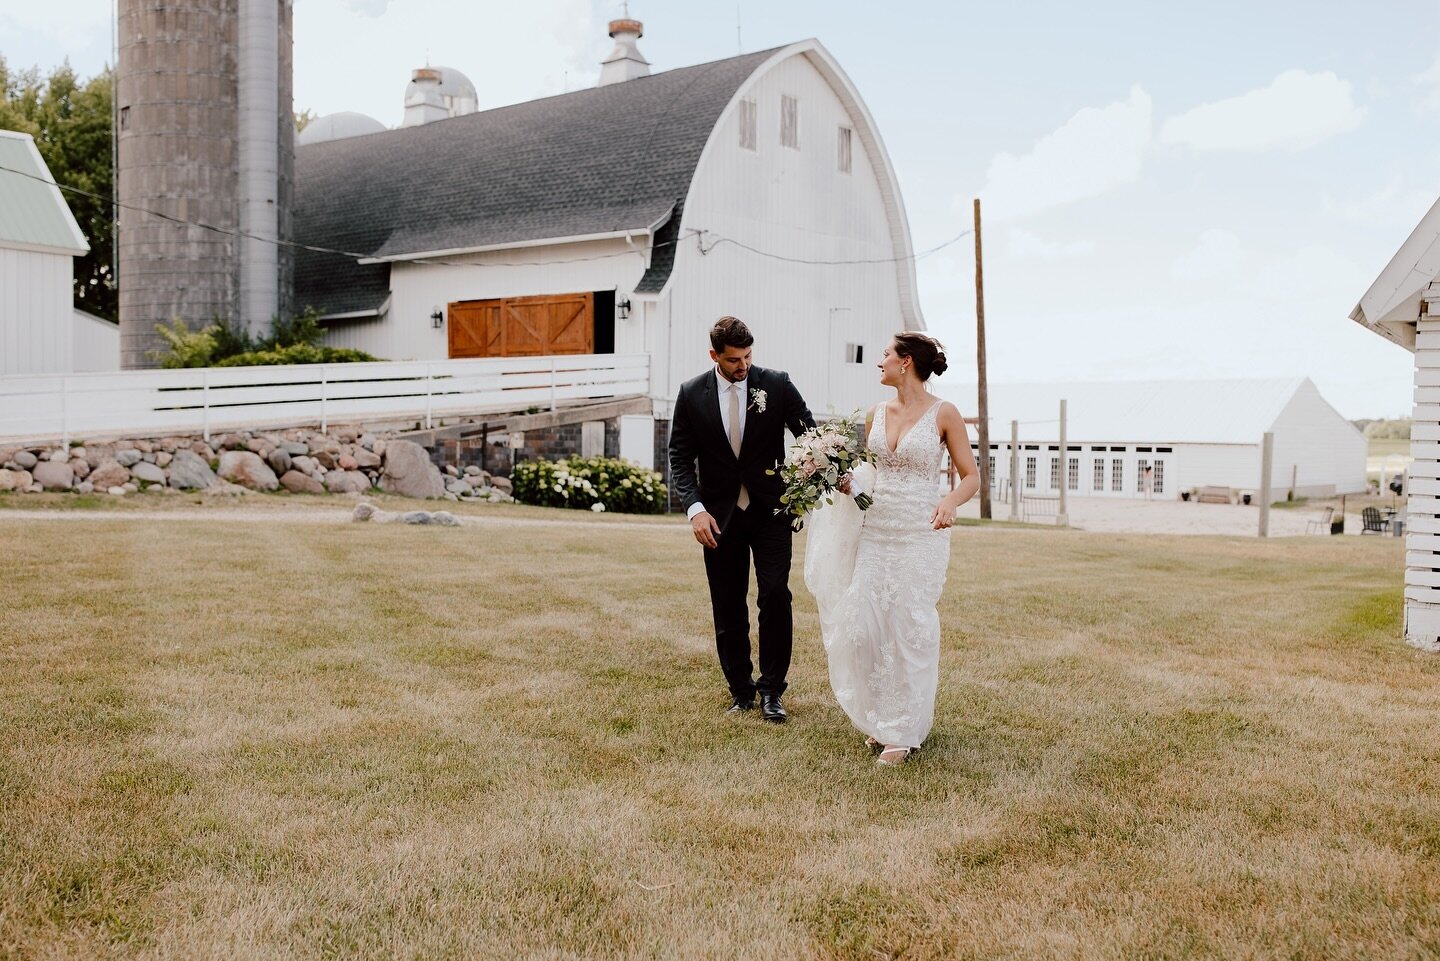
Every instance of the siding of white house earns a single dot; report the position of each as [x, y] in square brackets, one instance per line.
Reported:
[36, 326]
[95, 343]
[795, 202]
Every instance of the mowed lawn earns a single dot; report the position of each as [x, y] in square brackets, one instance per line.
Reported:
[274, 740]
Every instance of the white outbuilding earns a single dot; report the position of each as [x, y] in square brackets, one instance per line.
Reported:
[623, 219]
[1403, 305]
[1191, 434]
[41, 332]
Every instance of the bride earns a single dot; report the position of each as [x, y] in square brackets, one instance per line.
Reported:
[878, 618]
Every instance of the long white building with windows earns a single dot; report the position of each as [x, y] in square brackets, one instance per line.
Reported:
[1191, 434]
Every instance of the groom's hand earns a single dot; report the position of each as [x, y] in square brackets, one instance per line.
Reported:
[705, 528]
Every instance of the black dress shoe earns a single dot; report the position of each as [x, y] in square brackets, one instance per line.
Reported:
[771, 708]
[738, 706]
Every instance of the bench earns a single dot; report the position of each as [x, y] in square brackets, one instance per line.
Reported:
[1213, 495]
[1038, 507]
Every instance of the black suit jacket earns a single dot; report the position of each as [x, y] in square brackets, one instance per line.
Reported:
[703, 468]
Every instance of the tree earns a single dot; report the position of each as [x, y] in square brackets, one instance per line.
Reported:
[71, 123]
[303, 118]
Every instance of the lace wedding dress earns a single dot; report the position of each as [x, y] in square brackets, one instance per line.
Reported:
[877, 577]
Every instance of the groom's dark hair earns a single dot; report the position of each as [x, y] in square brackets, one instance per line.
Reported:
[730, 332]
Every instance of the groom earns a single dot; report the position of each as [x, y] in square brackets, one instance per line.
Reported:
[729, 423]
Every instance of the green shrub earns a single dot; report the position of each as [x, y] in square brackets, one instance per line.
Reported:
[223, 343]
[583, 482]
[296, 354]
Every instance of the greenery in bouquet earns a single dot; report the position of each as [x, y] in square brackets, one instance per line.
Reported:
[589, 483]
[817, 462]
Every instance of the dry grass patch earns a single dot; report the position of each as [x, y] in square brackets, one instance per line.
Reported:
[232, 740]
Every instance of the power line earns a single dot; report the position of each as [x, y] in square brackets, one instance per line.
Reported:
[434, 262]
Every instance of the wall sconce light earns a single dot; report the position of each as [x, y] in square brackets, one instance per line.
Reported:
[437, 318]
[623, 309]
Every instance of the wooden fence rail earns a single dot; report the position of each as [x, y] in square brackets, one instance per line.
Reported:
[42, 407]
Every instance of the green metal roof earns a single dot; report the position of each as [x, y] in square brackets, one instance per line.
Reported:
[33, 213]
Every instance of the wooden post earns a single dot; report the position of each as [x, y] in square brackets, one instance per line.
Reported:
[1267, 454]
[1062, 516]
[1014, 470]
[981, 389]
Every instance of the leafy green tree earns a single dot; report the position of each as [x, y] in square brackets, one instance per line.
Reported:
[71, 123]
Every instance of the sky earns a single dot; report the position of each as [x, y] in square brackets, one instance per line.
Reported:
[1169, 191]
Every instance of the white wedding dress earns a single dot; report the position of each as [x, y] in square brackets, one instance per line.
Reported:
[877, 577]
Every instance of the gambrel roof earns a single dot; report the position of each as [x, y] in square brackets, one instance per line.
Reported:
[605, 161]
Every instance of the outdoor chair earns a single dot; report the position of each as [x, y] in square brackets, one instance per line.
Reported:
[1373, 521]
[1321, 524]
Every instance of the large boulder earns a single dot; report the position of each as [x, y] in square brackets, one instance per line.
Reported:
[364, 459]
[129, 457]
[410, 472]
[346, 482]
[80, 466]
[109, 474]
[147, 472]
[189, 471]
[246, 469]
[279, 460]
[55, 475]
[305, 465]
[15, 480]
[298, 483]
[26, 460]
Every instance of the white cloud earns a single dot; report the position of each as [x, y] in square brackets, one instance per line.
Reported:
[1095, 151]
[1218, 254]
[1428, 82]
[371, 8]
[1393, 206]
[1297, 110]
[1022, 244]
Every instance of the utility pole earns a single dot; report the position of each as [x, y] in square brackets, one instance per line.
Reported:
[1267, 456]
[1062, 516]
[1014, 470]
[981, 388]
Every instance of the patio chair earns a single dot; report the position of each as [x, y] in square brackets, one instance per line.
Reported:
[1373, 521]
[1321, 524]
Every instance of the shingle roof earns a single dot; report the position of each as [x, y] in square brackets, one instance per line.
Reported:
[618, 157]
[33, 213]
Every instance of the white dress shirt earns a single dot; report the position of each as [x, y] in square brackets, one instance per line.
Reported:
[722, 393]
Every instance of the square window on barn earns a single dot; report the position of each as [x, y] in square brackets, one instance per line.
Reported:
[789, 121]
[749, 115]
[1030, 473]
[842, 152]
[854, 353]
[1117, 475]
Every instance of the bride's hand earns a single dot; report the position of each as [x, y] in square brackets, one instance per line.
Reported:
[943, 516]
[844, 485]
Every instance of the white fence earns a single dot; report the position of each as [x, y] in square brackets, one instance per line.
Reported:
[150, 402]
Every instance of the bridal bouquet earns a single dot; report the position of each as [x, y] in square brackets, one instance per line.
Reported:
[817, 461]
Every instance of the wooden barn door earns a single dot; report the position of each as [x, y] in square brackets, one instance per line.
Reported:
[523, 326]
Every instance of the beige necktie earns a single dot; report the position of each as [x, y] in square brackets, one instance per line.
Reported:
[744, 499]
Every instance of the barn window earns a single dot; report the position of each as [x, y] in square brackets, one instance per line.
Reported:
[125, 118]
[1099, 484]
[789, 121]
[1117, 474]
[749, 111]
[842, 155]
[1072, 474]
[1030, 473]
[854, 353]
[1054, 473]
[1158, 483]
[1140, 466]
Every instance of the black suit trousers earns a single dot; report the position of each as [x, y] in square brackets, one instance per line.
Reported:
[759, 533]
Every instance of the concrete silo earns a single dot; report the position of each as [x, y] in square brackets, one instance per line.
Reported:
[207, 136]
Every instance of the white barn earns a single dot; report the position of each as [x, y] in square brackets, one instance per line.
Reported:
[1191, 433]
[623, 219]
[41, 332]
[1403, 305]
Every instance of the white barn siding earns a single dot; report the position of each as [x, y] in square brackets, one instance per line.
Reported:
[36, 327]
[96, 343]
[794, 202]
[1322, 451]
[417, 289]
[1217, 465]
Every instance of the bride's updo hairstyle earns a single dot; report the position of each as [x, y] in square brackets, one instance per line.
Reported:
[923, 351]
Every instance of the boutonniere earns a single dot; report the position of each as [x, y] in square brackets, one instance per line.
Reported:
[757, 399]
